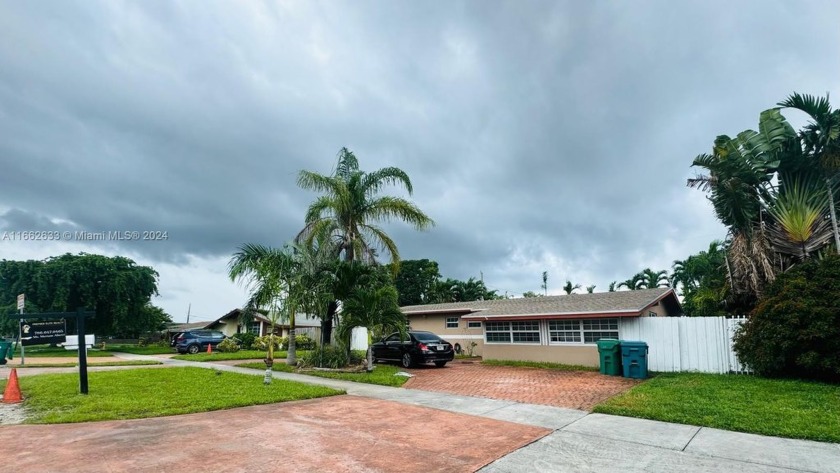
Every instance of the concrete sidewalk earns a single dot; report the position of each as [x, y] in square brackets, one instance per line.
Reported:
[596, 442]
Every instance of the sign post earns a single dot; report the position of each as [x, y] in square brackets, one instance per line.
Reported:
[21, 302]
[50, 329]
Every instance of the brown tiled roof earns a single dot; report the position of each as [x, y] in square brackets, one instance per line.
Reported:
[629, 303]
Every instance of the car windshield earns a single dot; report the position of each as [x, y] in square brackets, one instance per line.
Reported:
[427, 337]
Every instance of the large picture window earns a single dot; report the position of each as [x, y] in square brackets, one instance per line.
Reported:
[512, 332]
[582, 331]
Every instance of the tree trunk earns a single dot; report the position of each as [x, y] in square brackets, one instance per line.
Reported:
[833, 216]
[291, 354]
[269, 359]
[370, 351]
[326, 324]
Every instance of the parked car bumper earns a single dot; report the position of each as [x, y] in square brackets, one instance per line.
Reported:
[432, 357]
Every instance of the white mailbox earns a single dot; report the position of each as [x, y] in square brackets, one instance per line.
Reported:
[72, 342]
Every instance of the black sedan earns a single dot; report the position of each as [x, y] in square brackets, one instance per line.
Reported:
[420, 347]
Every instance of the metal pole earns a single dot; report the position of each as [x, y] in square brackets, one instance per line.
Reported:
[83, 378]
[20, 336]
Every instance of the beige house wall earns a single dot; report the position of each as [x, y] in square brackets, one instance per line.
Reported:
[462, 335]
[586, 355]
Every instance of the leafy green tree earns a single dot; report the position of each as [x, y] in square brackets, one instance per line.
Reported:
[416, 280]
[531, 294]
[116, 288]
[611, 287]
[795, 329]
[590, 289]
[350, 207]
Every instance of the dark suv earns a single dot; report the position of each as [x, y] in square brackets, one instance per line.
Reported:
[420, 347]
[194, 341]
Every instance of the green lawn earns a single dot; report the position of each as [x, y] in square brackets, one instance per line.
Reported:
[47, 351]
[538, 364]
[784, 408]
[140, 393]
[107, 363]
[239, 355]
[138, 350]
[382, 374]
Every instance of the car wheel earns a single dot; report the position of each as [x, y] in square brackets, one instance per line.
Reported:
[406, 360]
[193, 349]
[440, 364]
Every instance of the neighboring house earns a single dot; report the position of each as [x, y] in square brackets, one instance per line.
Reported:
[558, 329]
[259, 325]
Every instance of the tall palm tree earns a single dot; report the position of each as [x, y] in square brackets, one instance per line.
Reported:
[266, 271]
[821, 140]
[310, 286]
[544, 285]
[350, 207]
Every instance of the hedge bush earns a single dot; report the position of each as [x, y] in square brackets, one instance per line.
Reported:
[795, 329]
[228, 345]
[261, 343]
[330, 356]
[302, 342]
[246, 340]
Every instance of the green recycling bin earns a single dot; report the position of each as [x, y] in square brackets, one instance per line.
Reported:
[5, 351]
[634, 359]
[609, 351]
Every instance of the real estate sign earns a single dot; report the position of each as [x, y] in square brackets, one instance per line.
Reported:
[39, 332]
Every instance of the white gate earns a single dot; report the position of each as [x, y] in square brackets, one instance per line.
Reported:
[686, 343]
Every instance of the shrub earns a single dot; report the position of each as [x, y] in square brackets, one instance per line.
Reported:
[261, 343]
[246, 340]
[795, 329]
[328, 357]
[228, 345]
[302, 342]
[142, 342]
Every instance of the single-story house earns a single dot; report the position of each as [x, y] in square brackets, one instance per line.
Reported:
[260, 325]
[558, 329]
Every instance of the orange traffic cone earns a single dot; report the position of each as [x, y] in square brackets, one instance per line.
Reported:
[12, 392]
[209, 348]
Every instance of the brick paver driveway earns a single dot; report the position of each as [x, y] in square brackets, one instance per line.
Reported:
[571, 389]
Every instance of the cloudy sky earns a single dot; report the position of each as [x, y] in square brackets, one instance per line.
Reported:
[540, 136]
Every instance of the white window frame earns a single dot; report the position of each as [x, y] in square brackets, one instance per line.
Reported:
[471, 322]
[511, 328]
[584, 331]
[450, 320]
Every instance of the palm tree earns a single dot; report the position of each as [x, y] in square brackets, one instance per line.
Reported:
[798, 210]
[310, 286]
[545, 282]
[590, 289]
[821, 140]
[350, 207]
[650, 279]
[740, 177]
[375, 308]
[266, 271]
[569, 288]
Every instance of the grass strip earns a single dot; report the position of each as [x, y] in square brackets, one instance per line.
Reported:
[238, 355]
[138, 350]
[141, 393]
[783, 408]
[382, 375]
[90, 365]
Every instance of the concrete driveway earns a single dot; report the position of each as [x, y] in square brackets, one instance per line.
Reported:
[569, 389]
[336, 434]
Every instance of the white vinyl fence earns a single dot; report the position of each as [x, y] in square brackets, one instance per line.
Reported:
[686, 343]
